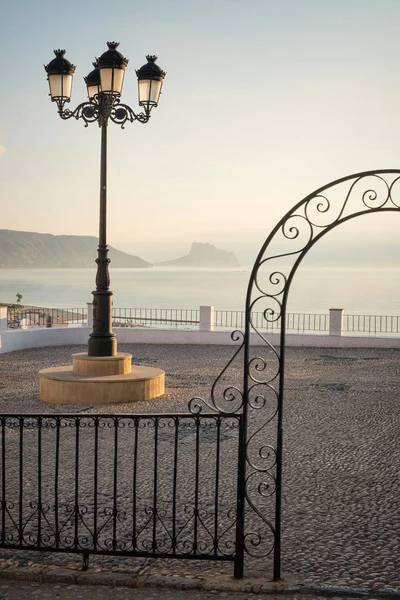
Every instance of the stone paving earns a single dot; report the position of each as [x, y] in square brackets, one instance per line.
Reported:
[341, 506]
[23, 591]
[45, 591]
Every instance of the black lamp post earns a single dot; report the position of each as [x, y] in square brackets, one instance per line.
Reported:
[104, 86]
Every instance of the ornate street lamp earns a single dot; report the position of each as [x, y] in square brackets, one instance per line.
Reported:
[104, 87]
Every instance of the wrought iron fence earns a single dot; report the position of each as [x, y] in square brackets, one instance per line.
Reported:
[295, 322]
[371, 324]
[33, 316]
[132, 485]
[170, 317]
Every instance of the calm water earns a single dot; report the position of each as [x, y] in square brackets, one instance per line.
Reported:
[358, 291]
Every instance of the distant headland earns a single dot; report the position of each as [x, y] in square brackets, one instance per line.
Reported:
[27, 249]
[203, 255]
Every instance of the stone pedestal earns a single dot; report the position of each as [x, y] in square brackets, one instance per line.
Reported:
[100, 380]
[83, 364]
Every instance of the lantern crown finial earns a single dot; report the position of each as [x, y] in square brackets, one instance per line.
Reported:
[150, 70]
[112, 57]
[60, 65]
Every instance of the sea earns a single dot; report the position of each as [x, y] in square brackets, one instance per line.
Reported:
[369, 291]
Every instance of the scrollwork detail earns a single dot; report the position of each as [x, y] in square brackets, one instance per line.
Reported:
[232, 396]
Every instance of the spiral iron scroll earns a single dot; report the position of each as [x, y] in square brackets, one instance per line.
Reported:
[261, 398]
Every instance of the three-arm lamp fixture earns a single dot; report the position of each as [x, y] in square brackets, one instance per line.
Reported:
[104, 87]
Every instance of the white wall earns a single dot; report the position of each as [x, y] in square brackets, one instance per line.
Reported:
[37, 338]
[18, 339]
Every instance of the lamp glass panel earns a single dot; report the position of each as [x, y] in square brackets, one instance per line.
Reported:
[60, 86]
[155, 90]
[149, 91]
[144, 86]
[93, 90]
[110, 84]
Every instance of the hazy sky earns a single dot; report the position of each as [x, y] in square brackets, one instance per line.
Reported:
[264, 101]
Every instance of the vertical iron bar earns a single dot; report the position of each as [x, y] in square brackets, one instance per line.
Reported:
[21, 476]
[56, 475]
[156, 419]
[3, 479]
[76, 506]
[39, 535]
[241, 484]
[174, 484]
[196, 487]
[95, 479]
[217, 452]
[114, 542]
[134, 482]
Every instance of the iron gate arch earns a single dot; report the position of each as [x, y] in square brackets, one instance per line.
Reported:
[301, 227]
[262, 395]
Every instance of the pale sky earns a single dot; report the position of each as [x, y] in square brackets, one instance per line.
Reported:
[264, 101]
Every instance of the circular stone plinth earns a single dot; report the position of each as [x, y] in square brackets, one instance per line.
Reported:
[83, 364]
[61, 385]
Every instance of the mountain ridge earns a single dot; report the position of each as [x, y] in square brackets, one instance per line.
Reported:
[22, 249]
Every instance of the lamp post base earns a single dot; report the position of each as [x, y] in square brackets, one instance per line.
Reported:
[102, 346]
[102, 340]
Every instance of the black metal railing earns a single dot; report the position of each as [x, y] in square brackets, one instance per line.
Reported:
[171, 317]
[371, 324]
[33, 316]
[137, 485]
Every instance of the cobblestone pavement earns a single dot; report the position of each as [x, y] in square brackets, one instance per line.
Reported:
[22, 591]
[46, 591]
[341, 507]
